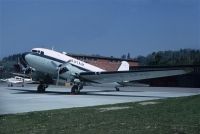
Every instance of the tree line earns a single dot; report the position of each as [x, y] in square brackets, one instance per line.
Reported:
[171, 58]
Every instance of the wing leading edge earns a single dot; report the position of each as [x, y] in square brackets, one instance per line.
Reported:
[123, 76]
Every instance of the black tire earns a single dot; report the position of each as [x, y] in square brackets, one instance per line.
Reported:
[74, 89]
[117, 89]
[80, 87]
[41, 88]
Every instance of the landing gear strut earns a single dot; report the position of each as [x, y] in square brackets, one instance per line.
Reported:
[41, 87]
[75, 90]
[10, 85]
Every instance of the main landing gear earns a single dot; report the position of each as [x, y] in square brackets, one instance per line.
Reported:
[117, 88]
[10, 85]
[41, 87]
[77, 86]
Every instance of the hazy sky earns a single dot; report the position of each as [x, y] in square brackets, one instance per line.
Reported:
[105, 27]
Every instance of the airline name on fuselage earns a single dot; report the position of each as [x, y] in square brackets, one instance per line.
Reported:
[77, 62]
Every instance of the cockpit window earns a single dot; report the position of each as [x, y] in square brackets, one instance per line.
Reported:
[42, 52]
[34, 51]
[38, 51]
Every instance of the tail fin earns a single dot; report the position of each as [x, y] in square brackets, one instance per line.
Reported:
[124, 66]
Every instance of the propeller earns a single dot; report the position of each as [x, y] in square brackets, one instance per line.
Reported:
[22, 66]
[18, 66]
[60, 69]
[22, 69]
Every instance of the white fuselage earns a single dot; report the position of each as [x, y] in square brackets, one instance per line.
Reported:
[45, 60]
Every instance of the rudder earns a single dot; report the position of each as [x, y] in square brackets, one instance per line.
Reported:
[124, 66]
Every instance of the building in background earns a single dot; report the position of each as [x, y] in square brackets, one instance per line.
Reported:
[106, 63]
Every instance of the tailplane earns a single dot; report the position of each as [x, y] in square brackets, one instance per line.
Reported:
[124, 66]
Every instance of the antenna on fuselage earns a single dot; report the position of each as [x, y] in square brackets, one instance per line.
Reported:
[52, 48]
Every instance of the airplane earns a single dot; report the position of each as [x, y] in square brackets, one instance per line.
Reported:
[16, 80]
[80, 73]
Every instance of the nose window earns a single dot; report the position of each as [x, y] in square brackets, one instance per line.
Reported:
[34, 51]
[38, 51]
[42, 53]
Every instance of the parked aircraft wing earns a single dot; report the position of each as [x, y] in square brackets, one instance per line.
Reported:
[15, 82]
[21, 75]
[3, 80]
[123, 76]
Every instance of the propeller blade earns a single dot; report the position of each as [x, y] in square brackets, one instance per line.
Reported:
[22, 62]
[58, 76]
[65, 64]
[23, 78]
[17, 68]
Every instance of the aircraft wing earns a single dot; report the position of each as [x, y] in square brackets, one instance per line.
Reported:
[124, 76]
[15, 82]
[3, 80]
[21, 75]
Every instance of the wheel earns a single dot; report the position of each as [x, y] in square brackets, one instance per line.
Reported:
[41, 88]
[117, 89]
[80, 87]
[75, 89]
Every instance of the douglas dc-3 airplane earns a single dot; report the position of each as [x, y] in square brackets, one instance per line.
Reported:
[80, 73]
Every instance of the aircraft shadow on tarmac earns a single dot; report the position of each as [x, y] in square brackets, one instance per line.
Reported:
[91, 93]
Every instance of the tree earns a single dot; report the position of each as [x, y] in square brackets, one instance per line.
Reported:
[123, 56]
[128, 56]
[165, 58]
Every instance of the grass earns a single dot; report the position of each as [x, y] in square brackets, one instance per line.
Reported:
[170, 116]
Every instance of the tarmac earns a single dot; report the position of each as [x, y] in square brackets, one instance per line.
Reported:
[26, 99]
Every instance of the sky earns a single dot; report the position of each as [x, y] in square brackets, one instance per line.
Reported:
[104, 27]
